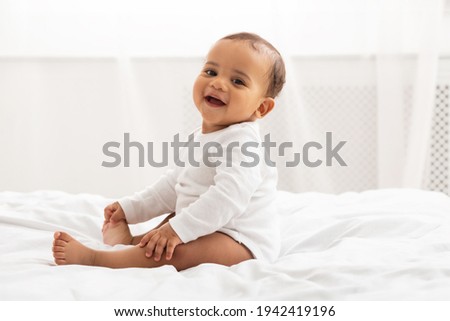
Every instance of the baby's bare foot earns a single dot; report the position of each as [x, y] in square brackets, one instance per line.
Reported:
[67, 250]
[116, 233]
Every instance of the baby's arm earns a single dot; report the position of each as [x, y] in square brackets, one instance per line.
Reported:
[229, 196]
[155, 200]
[227, 199]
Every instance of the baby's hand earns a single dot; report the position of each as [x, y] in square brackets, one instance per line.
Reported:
[113, 213]
[160, 239]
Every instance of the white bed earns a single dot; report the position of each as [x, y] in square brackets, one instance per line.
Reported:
[375, 245]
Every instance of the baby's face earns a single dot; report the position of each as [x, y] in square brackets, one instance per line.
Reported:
[231, 86]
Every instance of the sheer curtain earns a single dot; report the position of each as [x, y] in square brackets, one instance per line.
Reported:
[75, 75]
[422, 23]
[396, 48]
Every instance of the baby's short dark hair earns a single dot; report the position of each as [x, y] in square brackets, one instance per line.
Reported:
[277, 74]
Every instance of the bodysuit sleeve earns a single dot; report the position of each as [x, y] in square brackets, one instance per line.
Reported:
[234, 186]
[155, 200]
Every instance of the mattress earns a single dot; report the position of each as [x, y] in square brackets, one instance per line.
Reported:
[389, 244]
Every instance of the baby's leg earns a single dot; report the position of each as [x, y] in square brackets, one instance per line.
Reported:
[214, 248]
[119, 232]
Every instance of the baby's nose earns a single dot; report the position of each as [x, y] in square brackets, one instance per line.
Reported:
[218, 83]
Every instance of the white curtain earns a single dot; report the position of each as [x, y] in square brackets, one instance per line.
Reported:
[399, 50]
[423, 19]
[75, 75]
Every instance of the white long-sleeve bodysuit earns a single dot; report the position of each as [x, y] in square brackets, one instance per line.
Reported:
[231, 193]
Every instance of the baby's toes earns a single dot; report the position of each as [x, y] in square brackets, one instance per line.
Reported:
[59, 255]
[59, 243]
[57, 248]
[60, 261]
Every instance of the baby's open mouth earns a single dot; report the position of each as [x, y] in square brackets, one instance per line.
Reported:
[214, 101]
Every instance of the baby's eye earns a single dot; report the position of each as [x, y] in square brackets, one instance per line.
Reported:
[238, 82]
[210, 72]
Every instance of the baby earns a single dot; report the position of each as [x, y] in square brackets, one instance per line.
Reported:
[222, 206]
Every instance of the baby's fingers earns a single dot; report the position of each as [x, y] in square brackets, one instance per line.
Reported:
[159, 249]
[145, 239]
[170, 249]
[107, 213]
[151, 245]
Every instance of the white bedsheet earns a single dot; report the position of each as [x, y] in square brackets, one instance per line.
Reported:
[375, 245]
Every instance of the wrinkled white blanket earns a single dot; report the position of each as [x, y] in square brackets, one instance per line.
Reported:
[375, 245]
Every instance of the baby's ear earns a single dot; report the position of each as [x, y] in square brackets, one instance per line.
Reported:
[265, 107]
